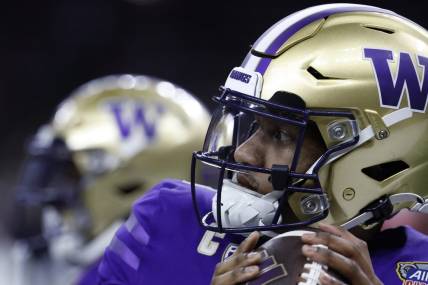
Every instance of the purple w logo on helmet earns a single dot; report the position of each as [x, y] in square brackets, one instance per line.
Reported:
[131, 116]
[391, 89]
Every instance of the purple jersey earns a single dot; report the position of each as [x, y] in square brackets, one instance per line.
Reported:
[400, 256]
[89, 275]
[163, 243]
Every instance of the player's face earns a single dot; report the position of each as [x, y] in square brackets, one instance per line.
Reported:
[274, 143]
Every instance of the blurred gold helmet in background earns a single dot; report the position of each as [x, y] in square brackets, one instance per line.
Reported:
[109, 142]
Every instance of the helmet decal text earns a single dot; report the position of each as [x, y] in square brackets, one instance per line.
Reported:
[235, 74]
[391, 89]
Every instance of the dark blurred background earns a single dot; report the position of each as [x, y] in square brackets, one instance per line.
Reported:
[48, 48]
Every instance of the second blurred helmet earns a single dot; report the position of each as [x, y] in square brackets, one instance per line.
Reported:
[109, 142]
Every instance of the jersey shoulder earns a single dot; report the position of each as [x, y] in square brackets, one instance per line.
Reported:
[416, 238]
[163, 214]
[171, 195]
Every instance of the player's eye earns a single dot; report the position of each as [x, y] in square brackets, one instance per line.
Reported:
[281, 135]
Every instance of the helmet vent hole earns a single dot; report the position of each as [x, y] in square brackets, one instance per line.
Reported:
[317, 75]
[288, 99]
[379, 29]
[382, 171]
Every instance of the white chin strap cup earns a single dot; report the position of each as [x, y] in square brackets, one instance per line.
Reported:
[245, 208]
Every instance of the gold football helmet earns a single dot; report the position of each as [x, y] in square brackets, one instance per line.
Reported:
[109, 142]
[359, 74]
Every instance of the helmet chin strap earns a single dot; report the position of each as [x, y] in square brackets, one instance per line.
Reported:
[383, 209]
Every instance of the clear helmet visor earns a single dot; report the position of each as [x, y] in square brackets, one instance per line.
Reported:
[228, 129]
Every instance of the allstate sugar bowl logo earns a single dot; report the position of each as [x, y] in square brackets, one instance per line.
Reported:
[413, 273]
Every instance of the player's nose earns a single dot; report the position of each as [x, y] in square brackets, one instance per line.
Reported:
[250, 152]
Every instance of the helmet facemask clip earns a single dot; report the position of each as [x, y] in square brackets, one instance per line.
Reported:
[279, 177]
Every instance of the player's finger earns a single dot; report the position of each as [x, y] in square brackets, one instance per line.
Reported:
[238, 261]
[327, 279]
[242, 257]
[249, 243]
[332, 241]
[339, 244]
[354, 248]
[238, 275]
[345, 266]
[339, 231]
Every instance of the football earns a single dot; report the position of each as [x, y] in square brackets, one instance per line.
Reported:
[283, 262]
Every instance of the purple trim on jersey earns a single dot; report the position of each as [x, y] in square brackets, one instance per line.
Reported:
[294, 28]
[136, 230]
[127, 256]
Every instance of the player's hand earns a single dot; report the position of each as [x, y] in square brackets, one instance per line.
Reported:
[241, 266]
[346, 254]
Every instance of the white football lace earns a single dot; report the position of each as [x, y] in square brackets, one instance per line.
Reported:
[312, 272]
